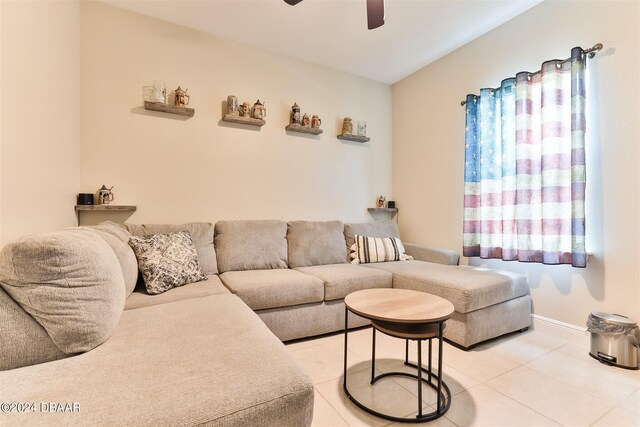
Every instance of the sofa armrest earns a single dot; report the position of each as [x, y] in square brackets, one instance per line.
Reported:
[431, 254]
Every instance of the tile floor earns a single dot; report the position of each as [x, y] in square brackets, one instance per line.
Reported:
[524, 379]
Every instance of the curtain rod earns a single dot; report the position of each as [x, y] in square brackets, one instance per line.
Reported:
[590, 53]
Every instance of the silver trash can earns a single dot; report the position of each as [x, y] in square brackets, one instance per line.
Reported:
[614, 339]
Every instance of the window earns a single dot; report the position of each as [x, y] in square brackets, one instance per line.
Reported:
[525, 166]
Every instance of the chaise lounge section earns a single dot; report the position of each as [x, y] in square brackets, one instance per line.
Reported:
[487, 303]
[202, 361]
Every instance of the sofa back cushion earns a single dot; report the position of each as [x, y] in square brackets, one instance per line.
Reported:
[22, 340]
[370, 229]
[117, 237]
[201, 234]
[315, 243]
[70, 282]
[251, 245]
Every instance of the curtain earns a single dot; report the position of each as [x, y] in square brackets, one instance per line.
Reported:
[524, 167]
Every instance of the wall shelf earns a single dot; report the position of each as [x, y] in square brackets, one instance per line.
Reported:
[102, 208]
[390, 210]
[105, 208]
[393, 212]
[171, 109]
[234, 118]
[304, 129]
[356, 138]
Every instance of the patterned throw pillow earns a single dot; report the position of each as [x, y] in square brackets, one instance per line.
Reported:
[167, 260]
[377, 249]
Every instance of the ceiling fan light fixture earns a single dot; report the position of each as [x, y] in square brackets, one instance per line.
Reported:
[375, 13]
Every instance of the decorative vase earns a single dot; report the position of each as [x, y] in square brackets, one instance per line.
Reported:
[232, 105]
[244, 109]
[347, 126]
[181, 99]
[315, 122]
[159, 92]
[295, 114]
[259, 112]
[105, 195]
[362, 128]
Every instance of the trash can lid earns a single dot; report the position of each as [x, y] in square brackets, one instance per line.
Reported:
[615, 319]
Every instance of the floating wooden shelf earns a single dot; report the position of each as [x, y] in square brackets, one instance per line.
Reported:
[393, 212]
[304, 129]
[171, 109]
[354, 137]
[102, 208]
[105, 208]
[243, 120]
[390, 210]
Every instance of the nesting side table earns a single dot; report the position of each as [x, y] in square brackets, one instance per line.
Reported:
[408, 315]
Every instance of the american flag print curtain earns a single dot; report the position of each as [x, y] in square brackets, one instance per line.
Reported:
[524, 173]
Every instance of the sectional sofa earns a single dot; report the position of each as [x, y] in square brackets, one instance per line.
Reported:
[76, 326]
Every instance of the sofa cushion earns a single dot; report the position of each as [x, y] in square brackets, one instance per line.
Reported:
[468, 288]
[468, 329]
[386, 228]
[206, 361]
[342, 279]
[201, 234]
[261, 289]
[377, 249]
[23, 341]
[69, 281]
[251, 245]
[167, 260]
[315, 243]
[118, 238]
[308, 320]
[432, 254]
[141, 298]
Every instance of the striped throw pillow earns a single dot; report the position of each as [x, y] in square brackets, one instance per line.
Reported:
[377, 249]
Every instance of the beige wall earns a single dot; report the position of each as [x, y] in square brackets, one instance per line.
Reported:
[39, 143]
[428, 148]
[1, 108]
[203, 169]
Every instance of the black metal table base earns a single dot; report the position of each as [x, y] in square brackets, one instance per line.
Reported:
[441, 388]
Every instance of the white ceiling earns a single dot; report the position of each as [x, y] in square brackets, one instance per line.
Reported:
[334, 32]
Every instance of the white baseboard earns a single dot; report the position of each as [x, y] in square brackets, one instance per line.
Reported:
[560, 329]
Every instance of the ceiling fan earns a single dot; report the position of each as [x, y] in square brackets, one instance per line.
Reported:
[375, 12]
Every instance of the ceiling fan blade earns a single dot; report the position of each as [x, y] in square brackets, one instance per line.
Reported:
[375, 13]
[292, 2]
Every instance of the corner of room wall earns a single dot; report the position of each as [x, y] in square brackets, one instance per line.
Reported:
[1, 109]
[40, 144]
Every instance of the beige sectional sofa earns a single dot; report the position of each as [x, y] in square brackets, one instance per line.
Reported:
[207, 353]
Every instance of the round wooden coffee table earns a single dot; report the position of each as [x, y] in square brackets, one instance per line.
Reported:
[409, 315]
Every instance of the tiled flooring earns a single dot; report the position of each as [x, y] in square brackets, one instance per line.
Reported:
[525, 379]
